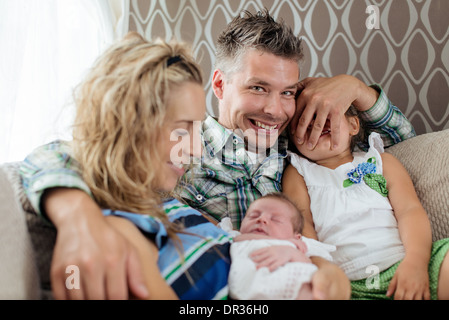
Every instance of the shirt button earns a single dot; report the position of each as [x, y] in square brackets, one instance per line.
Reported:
[239, 152]
[235, 141]
[199, 197]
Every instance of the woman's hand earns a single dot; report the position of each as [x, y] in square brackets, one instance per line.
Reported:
[329, 282]
[106, 264]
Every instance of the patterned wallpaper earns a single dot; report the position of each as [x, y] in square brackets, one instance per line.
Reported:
[402, 44]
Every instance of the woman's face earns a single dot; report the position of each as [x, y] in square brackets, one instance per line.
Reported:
[180, 138]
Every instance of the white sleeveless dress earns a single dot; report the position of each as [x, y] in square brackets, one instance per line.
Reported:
[357, 219]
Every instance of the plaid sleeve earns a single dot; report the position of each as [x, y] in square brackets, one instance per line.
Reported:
[387, 120]
[50, 166]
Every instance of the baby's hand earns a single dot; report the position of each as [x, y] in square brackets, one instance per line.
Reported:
[276, 256]
[301, 245]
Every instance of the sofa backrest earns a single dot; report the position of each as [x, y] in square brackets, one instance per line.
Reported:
[426, 158]
[19, 278]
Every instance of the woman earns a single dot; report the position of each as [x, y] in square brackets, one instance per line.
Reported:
[136, 125]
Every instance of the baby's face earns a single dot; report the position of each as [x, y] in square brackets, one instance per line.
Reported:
[270, 217]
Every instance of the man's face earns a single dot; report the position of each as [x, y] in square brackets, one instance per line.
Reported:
[258, 99]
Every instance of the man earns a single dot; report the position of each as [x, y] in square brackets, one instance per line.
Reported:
[245, 150]
[256, 83]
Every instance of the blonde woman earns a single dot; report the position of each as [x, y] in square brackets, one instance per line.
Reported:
[135, 129]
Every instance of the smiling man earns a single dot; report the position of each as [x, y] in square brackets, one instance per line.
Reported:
[256, 82]
[258, 101]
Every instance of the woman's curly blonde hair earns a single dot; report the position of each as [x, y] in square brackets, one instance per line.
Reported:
[121, 108]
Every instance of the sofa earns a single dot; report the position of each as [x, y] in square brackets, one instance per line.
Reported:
[26, 241]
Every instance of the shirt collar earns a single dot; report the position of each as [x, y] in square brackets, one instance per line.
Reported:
[215, 137]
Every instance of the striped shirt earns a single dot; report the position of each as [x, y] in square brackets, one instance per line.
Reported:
[201, 273]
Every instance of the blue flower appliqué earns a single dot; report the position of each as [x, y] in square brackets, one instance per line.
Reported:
[356, 175]
[367, 172]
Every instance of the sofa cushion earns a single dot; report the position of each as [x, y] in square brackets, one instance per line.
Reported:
[19, 278]
[41, 234]
[426, 158]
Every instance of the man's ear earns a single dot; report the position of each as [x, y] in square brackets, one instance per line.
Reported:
[218, 83]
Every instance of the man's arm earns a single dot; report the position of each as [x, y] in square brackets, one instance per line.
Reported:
[50, 166]
[107, 262]
[387, 120]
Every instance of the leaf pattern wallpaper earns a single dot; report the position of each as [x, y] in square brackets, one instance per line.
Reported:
[403, 45]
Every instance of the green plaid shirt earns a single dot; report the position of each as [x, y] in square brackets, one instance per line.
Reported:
[226, 181]
[387, 120]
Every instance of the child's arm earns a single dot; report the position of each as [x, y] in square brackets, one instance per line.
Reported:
[157, 287]
[411, 280]
[329, 282]
[294, 186]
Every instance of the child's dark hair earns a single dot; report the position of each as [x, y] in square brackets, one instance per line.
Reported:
[360, 137]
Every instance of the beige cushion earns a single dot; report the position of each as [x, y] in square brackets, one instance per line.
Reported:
[426, 158]
[19, 278]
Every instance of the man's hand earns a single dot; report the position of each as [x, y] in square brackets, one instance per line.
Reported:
[323, 99]
[109, 266]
